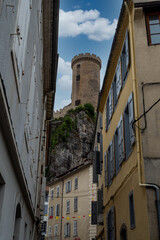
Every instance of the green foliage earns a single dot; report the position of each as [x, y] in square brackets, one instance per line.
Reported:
[89, 109]
[61, 133]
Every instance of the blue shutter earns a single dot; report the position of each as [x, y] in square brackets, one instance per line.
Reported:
[112, 223]
[109, 168]
[101, 151]
[117, 166]
[127, 51]
[120, 141]
[111, 160]
[131, 118]
[118, 78]
[105, 166]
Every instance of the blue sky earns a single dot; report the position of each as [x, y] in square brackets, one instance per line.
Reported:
[84, 26]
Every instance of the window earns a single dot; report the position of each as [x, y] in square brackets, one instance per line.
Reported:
[120, 141]
[117, 83]
[105, 168]
[153, 28]
[111, 224]
[2, 188]
[94, 213]
[56, 230]
[110, 157]
[52, 194]
[67, 230]
[78, 66]
[97, 159]
[46, 196]
[76, 183]
[75, 204]
[58, 191]
[101, 151]
[68, 186]
[45, 209]
[51, 211]
[131, 210]
[57, 210]
[77, 102]
[44, 227]
[74, 228]
[49, 230]
[78, 78]
[125, 58]
[68, 206]
[109, 106]
[98, 137]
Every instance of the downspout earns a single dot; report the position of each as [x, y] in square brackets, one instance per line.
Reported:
[61, 209]
[148, 185]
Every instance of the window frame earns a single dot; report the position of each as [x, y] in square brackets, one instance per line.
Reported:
[58, 189]
[67, 206]
[76, 183]
[75, 228]
[75, 204]
[52, 193]
[148, 27]
[132, 211]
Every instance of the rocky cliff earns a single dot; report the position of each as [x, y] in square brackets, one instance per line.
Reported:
[71, 141]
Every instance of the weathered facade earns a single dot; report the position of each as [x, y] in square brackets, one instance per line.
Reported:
[129, 104]
[26, 102]
[70, 197]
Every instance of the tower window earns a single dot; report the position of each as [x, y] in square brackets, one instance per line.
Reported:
[77, 102]
[77, 77]
[78, 66]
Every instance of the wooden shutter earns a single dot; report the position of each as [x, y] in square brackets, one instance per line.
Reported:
[109, 171]
[105, 169]
[94, 213]
[131, 118]
[110, 103]
[111, 160]
[118, 78]
[101, 151]
[120, 141]
[127, 51]
[107, 113]
[95, 175]
[112, 223]
[117, 166]
[97, 155]
[100, 201]
[106, 117]
[101, 122]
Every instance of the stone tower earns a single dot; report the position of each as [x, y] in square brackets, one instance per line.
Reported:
[85, 79]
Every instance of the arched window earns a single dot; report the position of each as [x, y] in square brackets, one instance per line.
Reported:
[17, 223]
[123, 232]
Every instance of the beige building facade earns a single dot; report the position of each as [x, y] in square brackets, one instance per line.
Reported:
[69, 208]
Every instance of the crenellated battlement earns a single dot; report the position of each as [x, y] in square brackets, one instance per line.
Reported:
[62, 112]
[86, 56]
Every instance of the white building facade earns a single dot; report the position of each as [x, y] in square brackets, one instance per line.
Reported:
[26, 103]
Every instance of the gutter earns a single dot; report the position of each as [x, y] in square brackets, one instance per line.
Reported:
[139, 150]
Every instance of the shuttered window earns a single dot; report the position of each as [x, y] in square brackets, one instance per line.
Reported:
[95, 175]
[98, 162]
[111, 224]
[117, 165]
[100, 201]
[74, 228]
[128, 125]
[125, 58]
[131, 210]
[68, 206]
[101, 151]
[98, 137]
[57, 212]
[75, 204]
[120, 141]
[118, 78]
[56, 230]
[110, 163]
[67, 230]
[105, 169]
[94, 213]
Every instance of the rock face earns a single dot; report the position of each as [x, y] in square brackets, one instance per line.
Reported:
[78, 146]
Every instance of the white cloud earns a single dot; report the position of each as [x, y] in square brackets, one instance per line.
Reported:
[65, 74]
[89, 23]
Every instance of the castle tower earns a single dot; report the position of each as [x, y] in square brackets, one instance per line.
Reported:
[85, 79]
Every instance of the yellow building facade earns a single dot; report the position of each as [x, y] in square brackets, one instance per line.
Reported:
[130, 126]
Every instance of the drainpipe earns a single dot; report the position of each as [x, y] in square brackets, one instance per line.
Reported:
[61, 209]
[148, 185]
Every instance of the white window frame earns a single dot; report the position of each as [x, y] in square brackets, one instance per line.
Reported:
[52, 193]
[75, 228]
[76, 183]
[68, 206]
[75, 201]
[68, 186]
[55, 230]
[58, 189]
[57, 211]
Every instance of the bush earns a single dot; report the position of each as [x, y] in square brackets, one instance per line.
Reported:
[89, 109]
